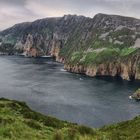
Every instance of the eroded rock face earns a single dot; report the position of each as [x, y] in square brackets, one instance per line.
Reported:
[28, 47]
[55, 49]
[127, 69]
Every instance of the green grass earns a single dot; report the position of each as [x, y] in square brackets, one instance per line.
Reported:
[138, 90]
[19, 122]
[104, 56]
[10, 40]
[128, 130]
[127, 51]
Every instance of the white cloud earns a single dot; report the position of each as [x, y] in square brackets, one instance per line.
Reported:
[10, 15]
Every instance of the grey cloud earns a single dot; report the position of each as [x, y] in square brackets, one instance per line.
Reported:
[16, 2]
[14, 11]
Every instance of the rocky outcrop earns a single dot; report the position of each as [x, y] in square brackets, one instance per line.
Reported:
[28, 47]
[135, 95]
[55, 49]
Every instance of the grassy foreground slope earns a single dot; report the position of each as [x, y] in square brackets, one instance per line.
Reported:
[19, 122]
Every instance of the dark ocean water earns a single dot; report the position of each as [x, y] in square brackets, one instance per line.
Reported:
[47, 88]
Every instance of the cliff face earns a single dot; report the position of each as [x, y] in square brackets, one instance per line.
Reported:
[127, 66]
[125, 71]
[46, 36]
[103, 45]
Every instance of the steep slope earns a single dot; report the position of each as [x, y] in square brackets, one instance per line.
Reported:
[19, 122]
[47, 36]
[103, 45]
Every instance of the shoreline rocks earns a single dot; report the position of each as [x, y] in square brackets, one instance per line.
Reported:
[135, 95]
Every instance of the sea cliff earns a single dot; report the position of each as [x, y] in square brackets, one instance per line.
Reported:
[102, 45]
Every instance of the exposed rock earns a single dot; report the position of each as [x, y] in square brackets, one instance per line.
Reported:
[127, 70]
[118, 42]
[136, 95]
[55, 49]
[104, 35]
[137, 43]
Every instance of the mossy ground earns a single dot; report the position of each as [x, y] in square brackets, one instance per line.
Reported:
[19, 122]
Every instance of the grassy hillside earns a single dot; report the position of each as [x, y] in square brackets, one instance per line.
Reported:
[19, 122]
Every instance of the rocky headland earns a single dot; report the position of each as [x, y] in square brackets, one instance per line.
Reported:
[105, 45]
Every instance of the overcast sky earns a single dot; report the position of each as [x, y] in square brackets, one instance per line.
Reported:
[15, 11]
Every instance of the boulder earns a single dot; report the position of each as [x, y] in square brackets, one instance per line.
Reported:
[136, 95]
